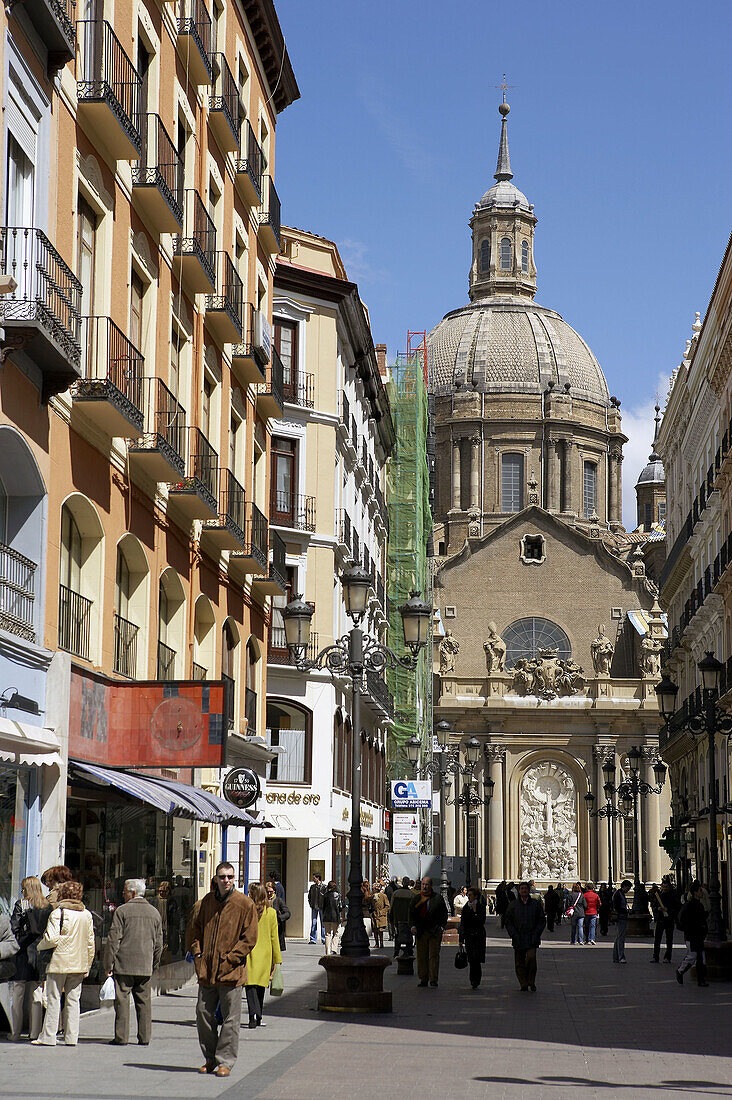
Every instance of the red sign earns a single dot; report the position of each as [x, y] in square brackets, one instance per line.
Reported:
[146, 723]
[387, 821]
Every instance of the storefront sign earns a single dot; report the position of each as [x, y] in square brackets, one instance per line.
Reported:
[405, 833]
[367, 818]
[411, 794]
[292, 798]
[242, 787]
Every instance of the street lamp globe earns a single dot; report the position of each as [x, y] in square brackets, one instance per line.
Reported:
[608, 772]
[659, 770]
[488, 785]
[355, 583]
[413, 746]
[416, 621]
[666, 691]
[634, 757]
[590, 800]
[711, 672]
[472, 751]
[627, 803]
[297, 615]
[442, 729]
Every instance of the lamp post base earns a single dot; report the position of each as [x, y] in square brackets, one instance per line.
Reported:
[355, 984]
[718, 955]
[639, 924]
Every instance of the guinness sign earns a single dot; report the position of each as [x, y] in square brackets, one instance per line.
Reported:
[241, 786]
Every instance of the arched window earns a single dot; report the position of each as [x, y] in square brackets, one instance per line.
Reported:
[130, 605]
[525, 257]
[171, 625]
[506, 254]
[250, 695]
[512, 482]
[589, 489]
[485, 255]
[524, 638]
[289, 727]
[204, 622]
[80, 579]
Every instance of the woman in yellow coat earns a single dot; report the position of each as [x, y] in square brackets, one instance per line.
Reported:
[264, 955]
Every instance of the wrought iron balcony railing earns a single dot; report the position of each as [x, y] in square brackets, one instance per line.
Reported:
[292, 510]
[46, 303]
[250, 709]
[270, 393]
[195, 35]
[53, 20]
[225, 308]
[344, 529]
[17, 593]
[279, 654]
[277, 561]
[113, 370]
[74, 622]
[225, 105]
[270, 217]
[125, 647]
[250, 165]
[198, 672]
[107, 76]
[379, 692]
[166, 662]
[164, 436]
[300, 389]
[198, 239]
[229, 699]
[159, 174]
[203, 470]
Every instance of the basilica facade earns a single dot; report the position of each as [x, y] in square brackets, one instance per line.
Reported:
[548, 631]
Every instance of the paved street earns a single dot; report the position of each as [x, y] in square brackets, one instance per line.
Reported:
[621, 1031]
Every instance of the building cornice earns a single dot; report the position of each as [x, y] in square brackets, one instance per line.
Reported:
[270, 43]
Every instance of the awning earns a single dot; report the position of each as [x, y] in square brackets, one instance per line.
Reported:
[640, 620]
[22, 743]
[208, 806]
[140, 787]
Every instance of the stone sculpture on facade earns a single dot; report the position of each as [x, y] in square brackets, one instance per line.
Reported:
[548, 823]
[547, 676]
[602, 650]
[449, 646]
[650, 655]
[495, 650]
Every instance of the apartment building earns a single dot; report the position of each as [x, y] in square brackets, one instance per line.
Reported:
[139, 387]
[327, 483]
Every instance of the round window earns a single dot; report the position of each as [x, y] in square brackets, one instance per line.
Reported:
[526, 637]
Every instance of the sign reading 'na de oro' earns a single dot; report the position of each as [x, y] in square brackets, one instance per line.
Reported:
[241, 786]
[411, 794]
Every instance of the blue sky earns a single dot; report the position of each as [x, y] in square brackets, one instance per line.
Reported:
[619, 134]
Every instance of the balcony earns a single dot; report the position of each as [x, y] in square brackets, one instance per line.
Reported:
[229, 696]
[42, 314]
[194, 250]
[274, 582]
[270, 395]
[269, 217]
[166, 662]
[279, 654]
[249, 358]
[108, 89]
[250, 557]
[225, 308]
[194, 41]
[74, 622]
[195, 496]
[224, 106]
[228, 530]
[111, 390]
[157, 180]
[292, 510]
[300, 390]
[343, 536]
[250, 167]
[378, 693]
[159, 454]
[125, 647]
[54, 23]
[198, 672]
[17, 593]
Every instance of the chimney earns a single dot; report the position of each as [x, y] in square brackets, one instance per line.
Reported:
[381, 358]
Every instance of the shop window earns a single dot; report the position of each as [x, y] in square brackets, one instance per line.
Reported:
[289, 727]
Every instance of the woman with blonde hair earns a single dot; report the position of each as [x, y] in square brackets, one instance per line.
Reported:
[263, 956]
[70, 934]
[29, 920]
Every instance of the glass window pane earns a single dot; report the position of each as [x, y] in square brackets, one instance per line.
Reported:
[506, 253]
[524, 638]
[287, 728]
[512, 482]
[485, 255]
[589, 489]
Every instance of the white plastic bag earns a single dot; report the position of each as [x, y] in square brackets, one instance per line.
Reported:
[106, 993]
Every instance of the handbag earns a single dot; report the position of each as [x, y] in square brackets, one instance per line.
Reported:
[461, 958]
[277, 985]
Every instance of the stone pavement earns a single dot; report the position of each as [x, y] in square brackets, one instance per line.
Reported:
[592, 1027]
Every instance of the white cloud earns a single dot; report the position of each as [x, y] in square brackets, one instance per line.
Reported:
[358, 267]
[638, 426]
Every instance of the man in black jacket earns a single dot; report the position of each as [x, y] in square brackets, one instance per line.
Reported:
[525, 922]
[693, 923]
[428, 914]
[667, 910]
[316, 894]
[401, 918]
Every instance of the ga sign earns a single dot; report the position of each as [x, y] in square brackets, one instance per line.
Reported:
[411, 794]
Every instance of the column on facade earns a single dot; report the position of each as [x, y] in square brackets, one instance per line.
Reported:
[603, 754]
[618, 473]
[475, 472]
[496, 760]
[567, 476]
[650, 821]
[614, 461]
[555, 474]
[456, 473]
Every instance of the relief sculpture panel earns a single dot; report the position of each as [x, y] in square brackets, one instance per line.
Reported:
[548, 823]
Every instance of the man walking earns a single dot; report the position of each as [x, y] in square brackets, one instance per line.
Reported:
[428, 915]
[132, 954]
[693, 922]
[667, 911]
[316, 894]
[223, 931]
[620, 908]
[401, 918]
[525, 923]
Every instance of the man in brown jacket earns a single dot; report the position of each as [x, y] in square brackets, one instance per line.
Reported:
[132, 953]
[222, 933]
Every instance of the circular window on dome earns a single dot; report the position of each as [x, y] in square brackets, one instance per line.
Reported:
[526, 637]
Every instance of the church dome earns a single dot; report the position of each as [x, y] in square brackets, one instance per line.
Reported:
[505, 194]
[512, 345]
[653, 473]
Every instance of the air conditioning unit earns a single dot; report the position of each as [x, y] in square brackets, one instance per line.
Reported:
[261, 337]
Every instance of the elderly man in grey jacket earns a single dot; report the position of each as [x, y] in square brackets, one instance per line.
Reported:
[132, 954]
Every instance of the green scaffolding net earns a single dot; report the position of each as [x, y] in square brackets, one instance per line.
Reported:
[408, 567]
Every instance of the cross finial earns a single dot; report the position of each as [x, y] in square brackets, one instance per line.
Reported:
[504, 87]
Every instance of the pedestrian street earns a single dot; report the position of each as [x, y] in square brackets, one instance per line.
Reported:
[621, 1031]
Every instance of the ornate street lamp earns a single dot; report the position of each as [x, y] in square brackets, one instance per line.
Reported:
[413, 747]
[353, 656]
[468, 798]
